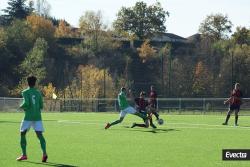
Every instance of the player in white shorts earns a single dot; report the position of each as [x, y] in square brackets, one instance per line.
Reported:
[36, 125]
[126, 109]
[32, 105]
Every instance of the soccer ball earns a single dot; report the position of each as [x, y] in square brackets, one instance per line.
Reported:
[160, 121]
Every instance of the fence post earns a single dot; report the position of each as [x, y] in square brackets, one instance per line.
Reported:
[204, 104]
[4, 103]
[179, 103]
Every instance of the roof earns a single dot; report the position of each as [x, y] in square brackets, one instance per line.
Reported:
[168, 37]
[194, 38]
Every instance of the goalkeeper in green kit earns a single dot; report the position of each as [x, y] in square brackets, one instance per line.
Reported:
[32, 105]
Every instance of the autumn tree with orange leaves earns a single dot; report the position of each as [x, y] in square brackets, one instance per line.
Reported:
[146, 52]
[202, 80]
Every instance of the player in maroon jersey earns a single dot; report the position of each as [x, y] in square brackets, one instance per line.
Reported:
[153, 101]
[235, 100]
[141, 105]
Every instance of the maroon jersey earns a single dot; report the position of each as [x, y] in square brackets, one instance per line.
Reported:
[236, 97]
[142, 103]
[153, 95]
[152, 98]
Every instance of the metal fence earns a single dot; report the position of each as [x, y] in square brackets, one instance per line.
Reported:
[180, 105]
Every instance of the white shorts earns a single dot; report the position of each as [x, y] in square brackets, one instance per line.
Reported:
[36, 125]
[128, 110]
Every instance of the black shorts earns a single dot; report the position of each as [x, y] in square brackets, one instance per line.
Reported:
[234, 107]
[153, 104]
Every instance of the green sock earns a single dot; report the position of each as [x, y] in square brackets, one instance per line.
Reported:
[23, 144]
[43, 143]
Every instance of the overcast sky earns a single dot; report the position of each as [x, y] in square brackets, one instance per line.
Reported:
[185, 15]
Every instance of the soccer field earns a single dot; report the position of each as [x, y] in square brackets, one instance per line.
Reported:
[79, 139]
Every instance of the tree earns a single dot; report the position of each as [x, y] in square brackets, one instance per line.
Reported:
[202, 80]
[33, 64]
[91, 26]
[49, 90]
[242, 66]
[41, 28]
[233, 66]
[3, 38]
[182, 77]
[146, 51]
[5, 57]
[63, 30]
[43, 8]
[89, 83]
[141, 20]
[216, 26]
[241, 36]
[15, 42]
[17, 9]
[19, 40]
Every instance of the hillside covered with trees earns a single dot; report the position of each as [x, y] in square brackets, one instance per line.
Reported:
[95, 60]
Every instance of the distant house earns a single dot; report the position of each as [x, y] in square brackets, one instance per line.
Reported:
[157, 39]
[168, 37]
[194, 38]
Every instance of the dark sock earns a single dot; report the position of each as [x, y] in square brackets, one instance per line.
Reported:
[156, 115]
[23, 144]
[43, 144]
[140, 125]
[151, 121]
[115, 122]
[236, 119]
[228, 116]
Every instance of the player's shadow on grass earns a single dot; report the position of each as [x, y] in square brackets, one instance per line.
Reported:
[158, 130]
[50, 164]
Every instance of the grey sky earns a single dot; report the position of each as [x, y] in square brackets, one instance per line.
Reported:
[185, 15]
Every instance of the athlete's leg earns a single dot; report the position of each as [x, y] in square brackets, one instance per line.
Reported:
[23, 142]
[145, 119]
[123, 113]
[139, 125]
[230, 110]
[25, 126]
[117, 121]
[151, 121]
[236, 116]
[156, 114]
[41, 138]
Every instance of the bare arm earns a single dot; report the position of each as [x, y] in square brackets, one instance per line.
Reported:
[228, 100]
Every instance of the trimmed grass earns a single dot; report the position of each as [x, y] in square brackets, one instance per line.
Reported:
[79, 139]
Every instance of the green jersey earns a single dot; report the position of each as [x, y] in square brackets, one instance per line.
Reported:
[32, 104]
[122, 101]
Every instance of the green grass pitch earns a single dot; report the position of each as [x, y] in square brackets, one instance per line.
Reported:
[79, 139]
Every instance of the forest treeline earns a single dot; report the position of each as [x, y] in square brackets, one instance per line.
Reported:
[95, 60]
